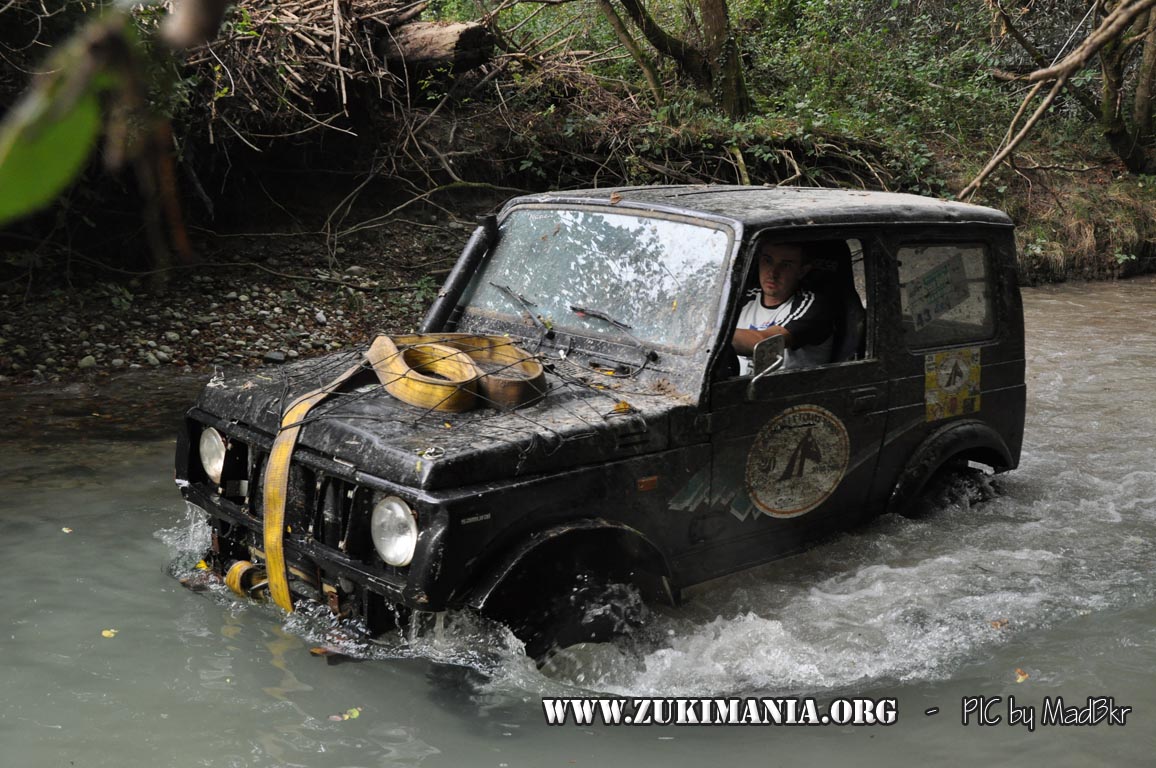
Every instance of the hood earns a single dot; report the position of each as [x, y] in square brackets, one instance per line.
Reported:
[361, 424]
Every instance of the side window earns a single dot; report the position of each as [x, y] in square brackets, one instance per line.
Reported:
[814, 289]
[946, 295]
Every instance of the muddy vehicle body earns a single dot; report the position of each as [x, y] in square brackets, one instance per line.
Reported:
[641, 458]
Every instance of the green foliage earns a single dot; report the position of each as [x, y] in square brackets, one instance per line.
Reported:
[425, 290]
[868, 70]
[44, 143]
[46, 138]
[119, 297]
[453, 10]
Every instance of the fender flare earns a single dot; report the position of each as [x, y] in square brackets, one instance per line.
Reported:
[610, 540]
[970, 438]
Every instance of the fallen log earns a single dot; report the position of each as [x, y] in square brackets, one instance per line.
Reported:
[424, 45]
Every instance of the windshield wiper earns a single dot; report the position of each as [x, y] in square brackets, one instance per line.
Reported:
[527, 307]
[647, 352]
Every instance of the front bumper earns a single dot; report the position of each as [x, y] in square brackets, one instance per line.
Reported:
[327, 546]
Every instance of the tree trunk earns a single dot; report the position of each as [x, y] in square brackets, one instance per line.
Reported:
[631, 45]
[728, 86]
[687, 58]
[1142, 101]
[1135, 156]
[1124, 141]
[423, 45]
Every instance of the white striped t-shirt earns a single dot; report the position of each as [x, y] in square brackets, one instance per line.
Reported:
[807, 319]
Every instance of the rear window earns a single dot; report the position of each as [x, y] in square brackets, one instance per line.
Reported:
[946, 294]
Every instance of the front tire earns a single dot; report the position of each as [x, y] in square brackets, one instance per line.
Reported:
[584, 608]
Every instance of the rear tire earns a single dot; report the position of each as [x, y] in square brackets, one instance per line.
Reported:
[953, 485]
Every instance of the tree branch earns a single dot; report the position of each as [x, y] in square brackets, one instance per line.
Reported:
[688, 58]
[1111, 28]
[1086, 100]
[1000, 156]
[631, 45]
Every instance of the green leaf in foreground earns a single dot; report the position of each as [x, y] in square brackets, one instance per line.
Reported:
[43, 146]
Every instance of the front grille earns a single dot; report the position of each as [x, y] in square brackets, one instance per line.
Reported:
[330, 510]
[340, 517]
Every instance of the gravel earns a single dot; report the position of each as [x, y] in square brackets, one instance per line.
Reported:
[221, 317]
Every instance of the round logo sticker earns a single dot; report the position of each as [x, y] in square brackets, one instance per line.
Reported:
[953, 373]
[797, 460]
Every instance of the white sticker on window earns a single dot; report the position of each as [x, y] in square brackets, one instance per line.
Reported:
[937, 291]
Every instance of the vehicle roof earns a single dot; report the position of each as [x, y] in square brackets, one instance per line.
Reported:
[781, 206]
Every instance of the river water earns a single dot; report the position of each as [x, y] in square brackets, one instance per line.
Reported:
[1038, 585]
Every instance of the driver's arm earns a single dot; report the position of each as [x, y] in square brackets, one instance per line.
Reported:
[745, 339]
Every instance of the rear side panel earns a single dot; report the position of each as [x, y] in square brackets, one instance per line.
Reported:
[958, 361]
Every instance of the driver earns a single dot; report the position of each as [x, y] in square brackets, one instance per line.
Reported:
[778, 307]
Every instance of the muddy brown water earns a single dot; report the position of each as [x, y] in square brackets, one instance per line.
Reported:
[106, 661]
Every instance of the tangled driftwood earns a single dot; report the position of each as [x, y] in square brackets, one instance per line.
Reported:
[274, 59]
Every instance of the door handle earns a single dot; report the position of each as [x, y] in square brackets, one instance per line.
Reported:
[864, 399]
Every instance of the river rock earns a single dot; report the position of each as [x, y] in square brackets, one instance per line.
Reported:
[88, 361]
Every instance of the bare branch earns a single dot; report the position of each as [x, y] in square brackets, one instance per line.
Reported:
[1010, 146]
[688, 58]
[1111, 28]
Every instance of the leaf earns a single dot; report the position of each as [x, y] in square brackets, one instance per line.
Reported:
[43, 146]
[350, 714]
[202, 566]
[66, 529]
[1021, 675]
[623, 407]
[999, 623]
[108, 632]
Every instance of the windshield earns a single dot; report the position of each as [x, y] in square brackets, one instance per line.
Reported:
[623, 276]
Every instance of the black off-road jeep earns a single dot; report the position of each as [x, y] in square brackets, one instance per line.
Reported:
[615, 443]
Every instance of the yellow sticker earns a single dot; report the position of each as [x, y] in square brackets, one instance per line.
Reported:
[951, 383]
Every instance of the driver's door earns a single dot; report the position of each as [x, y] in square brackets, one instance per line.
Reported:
[793, 453]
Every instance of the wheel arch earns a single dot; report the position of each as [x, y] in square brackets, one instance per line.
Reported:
[614, 549]
[958, 441]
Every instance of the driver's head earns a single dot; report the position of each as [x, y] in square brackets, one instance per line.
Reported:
[781, 267]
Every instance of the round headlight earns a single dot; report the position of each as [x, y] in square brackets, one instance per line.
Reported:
[394, 531]
[212, 453]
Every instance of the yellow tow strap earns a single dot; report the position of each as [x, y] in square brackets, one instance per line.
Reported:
[445, 372]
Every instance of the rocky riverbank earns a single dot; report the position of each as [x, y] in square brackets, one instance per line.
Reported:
[254, 301]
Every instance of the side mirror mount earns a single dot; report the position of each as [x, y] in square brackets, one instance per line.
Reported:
[768, 357]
